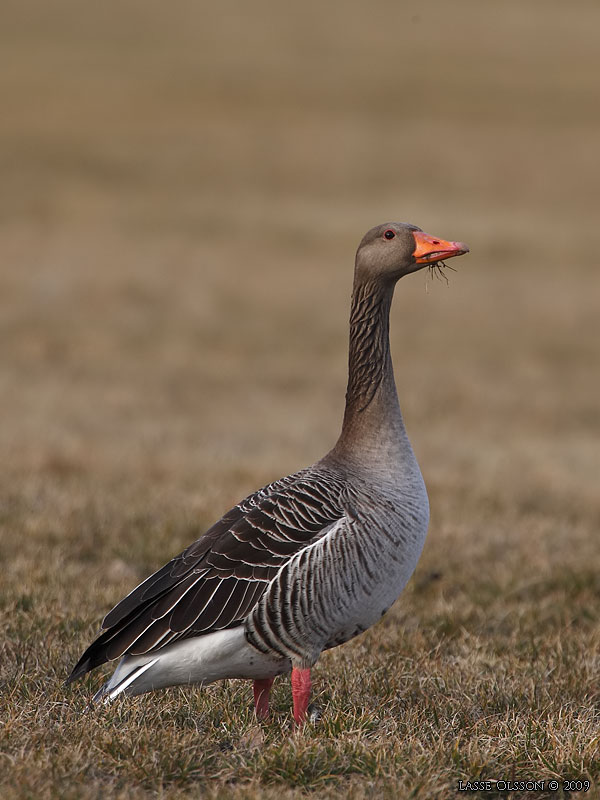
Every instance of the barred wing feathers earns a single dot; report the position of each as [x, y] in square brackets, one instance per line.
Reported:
[216, 581]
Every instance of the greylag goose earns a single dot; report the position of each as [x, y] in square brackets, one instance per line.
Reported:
[307, 562]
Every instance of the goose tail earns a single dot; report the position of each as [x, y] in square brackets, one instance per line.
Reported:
[124, 678]
[198, 660]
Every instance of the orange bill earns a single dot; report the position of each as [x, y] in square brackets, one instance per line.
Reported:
[428, 249]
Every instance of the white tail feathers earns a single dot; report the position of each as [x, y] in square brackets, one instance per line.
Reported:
[199, 660]
[111, 689]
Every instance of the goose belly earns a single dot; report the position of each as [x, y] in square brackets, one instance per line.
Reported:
[337, 588]
[369, 600]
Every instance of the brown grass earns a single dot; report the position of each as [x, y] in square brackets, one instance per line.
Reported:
[183, 189]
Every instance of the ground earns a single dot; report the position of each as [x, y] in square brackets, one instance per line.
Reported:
[183, 189]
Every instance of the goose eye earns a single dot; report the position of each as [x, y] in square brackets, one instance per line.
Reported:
[389, 234]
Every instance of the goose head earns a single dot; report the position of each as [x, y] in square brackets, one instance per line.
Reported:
[389, 251]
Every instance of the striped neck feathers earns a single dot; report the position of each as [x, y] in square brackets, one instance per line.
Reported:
[373, 429]
[369, 361]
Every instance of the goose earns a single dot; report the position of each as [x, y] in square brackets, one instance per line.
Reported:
[309, 561]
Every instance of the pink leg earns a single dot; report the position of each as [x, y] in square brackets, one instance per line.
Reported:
[300, 693]
[262, 689]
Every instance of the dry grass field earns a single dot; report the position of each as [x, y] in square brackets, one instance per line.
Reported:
[183, 189]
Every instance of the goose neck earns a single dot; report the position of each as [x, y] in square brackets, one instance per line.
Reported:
[373, 423]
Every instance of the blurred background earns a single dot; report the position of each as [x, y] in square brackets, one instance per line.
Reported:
[183, 189]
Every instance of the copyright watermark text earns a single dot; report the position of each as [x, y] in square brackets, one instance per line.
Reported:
[550, 785]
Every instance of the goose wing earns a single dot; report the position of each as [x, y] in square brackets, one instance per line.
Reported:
[216, 581]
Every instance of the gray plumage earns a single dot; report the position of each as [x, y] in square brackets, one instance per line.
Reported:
[307, 562]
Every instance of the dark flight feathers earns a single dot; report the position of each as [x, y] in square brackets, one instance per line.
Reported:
[216, 581]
